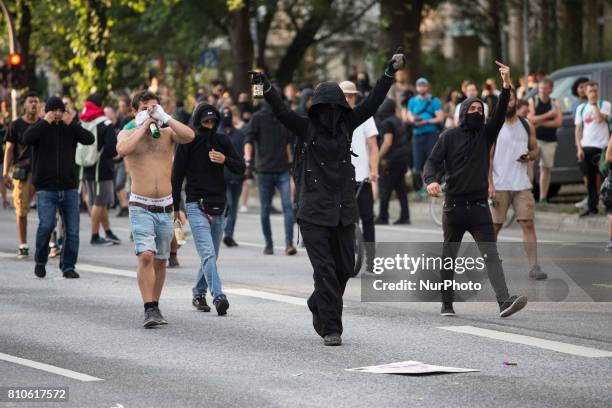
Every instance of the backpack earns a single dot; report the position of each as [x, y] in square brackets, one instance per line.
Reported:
[605, 193]
[88, 155]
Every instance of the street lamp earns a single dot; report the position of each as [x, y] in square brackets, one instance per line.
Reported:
[12, 50]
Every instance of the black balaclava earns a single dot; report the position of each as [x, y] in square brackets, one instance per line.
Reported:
[511, 111]
[329, 115]
[204, 110]
[474, 121]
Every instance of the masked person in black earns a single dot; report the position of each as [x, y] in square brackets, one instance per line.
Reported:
[325, 188]
[202, 163]
[463, 154]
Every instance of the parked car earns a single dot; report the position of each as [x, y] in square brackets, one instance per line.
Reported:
[566, 170]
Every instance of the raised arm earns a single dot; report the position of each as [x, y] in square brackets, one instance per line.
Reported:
[181, 133]
[368, 107]
[292, 121]
[127, 140]
[494, 125]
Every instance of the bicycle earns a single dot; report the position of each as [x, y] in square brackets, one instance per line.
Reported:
[436, 209]
[359, 244]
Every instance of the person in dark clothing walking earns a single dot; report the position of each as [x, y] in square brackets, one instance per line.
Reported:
[325, 189]
[463, 154]
[395, 158]
[233, 181]
[54, 175]
[272, 144]
[202, 163]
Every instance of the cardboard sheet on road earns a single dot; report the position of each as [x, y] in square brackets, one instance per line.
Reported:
[410, 367]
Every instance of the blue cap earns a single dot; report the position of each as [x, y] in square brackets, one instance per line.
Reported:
[422, 81]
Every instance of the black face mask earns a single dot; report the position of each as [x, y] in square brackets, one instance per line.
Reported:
[473, 121]
[329, 115]
[226, 121]
[511, 111]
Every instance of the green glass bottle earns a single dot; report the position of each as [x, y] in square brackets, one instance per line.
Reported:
[154, 131]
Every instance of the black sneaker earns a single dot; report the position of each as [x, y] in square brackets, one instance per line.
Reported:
[150, 319]
[290, 250]
[512, 305]
[315, 318]
[99, 241]
[123, 212]
[71, 274]
[381, 221]
[199, 302]
[157, 313]
[110, 236]
[536, 273]
[221, 304]
[333, 339]
[447, 309]
[23, 253]
[40, 271]
[268, 250]
[587, 213]
[229, 242]
[402, 221]
[173, 261]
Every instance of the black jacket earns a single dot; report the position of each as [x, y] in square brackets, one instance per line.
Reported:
[107, 139]
[54, 147]
[205, 179]
[464, 154]
[237, 138]
[325, 177]
[270, 139]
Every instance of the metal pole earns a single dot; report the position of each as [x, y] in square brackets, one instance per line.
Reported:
[526, 41]
[12, 49]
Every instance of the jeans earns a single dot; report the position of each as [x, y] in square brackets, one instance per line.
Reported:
[474, 218]
[422, 145]
[365, 204]
[393, 178]
[266, 182]
[48, 203]
[233, 191]
[590, 170]
[207, 236]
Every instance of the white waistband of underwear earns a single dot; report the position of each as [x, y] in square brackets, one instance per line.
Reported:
[158, 202]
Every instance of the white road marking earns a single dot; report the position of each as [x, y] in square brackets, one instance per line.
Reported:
[48, 368]
[267, 295]
[106, 270]
[531, 341]
[603, 285]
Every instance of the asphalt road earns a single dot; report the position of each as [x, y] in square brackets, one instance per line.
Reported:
[264, 353]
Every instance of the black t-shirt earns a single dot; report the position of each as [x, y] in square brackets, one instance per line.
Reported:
[22, 154]
[399, 152]
[544, 134]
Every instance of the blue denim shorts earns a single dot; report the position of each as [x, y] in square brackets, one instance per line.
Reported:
[151, 231]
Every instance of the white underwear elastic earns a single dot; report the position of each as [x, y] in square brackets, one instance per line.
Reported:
[158, 202]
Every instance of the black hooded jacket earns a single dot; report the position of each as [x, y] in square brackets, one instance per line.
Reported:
[54, 147]
[325, 177]
[463, 154]
[205, 179]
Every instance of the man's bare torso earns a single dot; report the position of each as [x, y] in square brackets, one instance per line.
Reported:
[150, 165]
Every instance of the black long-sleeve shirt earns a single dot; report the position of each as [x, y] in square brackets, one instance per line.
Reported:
[205, 179]
[54, 147]
[326, 190]
[464, 155]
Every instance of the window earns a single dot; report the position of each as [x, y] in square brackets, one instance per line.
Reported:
[563, 91]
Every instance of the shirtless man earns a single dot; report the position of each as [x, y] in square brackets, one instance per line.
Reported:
[149, 162]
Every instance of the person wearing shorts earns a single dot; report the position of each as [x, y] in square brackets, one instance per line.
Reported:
[509, 183]
[99, 177]
[148, 159]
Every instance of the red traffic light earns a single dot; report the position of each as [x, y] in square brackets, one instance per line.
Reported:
[14, 59]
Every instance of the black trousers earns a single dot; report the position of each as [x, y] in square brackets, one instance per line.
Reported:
[590, 170]
[393, 178]
[365, 205]
[331, 251]
[475, 218]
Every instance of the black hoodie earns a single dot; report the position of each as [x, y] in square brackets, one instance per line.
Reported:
[205, 179]
[463, 154]
[54, 148]
[325, 177]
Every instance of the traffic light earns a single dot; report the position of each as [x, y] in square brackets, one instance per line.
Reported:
[17, 71]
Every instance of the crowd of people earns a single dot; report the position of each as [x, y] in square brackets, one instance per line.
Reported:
[329, 152]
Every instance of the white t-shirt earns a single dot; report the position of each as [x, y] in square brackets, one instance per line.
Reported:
[594, 134]
[512, 142]
[359, 145]
[458, 108]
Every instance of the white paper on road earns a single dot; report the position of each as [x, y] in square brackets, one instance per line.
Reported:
[410, 367]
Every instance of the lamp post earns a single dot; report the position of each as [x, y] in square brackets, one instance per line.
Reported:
[12, 50]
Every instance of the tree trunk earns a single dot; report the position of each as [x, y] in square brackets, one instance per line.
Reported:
[23, 32]
[263, 28]
[400, 26]
[496, 20]
[242, 49]
[572, 35]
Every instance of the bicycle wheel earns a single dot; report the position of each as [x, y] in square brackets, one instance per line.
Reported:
[436, 208]
[359, 250]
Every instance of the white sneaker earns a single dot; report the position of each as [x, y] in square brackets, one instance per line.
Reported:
[243, 209]
[582, 203]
